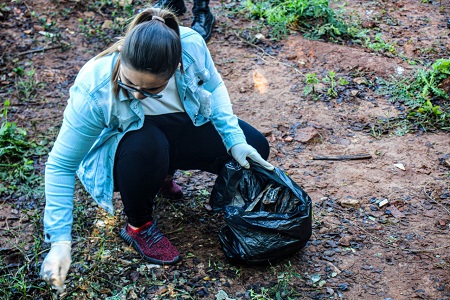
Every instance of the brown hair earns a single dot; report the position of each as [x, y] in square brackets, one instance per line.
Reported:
[150, 45]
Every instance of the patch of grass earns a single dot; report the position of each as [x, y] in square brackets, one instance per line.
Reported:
[17, 155]
[315, 18]
[19, 264]
[106, 30]
[380, 45]
[283, 289]
[27, 85]
[427, 104]
[331, 81]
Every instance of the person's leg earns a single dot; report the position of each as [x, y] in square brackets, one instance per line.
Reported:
[203, 18]
[141, 165]
[201, 148]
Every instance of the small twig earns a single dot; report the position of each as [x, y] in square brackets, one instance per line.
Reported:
[175, 231]
[39, 50]
[342, 157]
[426, 250]
[265, 53]
[389, 244]
[434, 200]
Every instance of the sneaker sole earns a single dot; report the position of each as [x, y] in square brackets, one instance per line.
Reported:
[130, 241]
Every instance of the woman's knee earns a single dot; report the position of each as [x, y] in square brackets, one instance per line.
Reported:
[145, 145]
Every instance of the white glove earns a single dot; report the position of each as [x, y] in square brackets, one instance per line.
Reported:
[56, 265]
[241, 152]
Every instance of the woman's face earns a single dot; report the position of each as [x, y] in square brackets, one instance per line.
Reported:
[141, 84]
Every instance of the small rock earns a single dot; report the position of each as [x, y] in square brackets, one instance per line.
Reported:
[383, 203]
[305, 135]
[260, 36]
[349, 202]
[288, 139]
[447, 163]
[396, 213]
[221, 295]
[400, 166]
[345, 241]
[330, 291]
[360, 80]
[354, 93]
[107, 24]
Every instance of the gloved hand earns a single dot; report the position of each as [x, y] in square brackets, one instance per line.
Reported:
[241, 152]
[56, 265]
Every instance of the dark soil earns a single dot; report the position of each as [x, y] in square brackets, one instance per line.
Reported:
[358, 249]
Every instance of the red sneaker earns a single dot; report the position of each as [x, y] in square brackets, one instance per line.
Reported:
[151, 244]
[170, 189]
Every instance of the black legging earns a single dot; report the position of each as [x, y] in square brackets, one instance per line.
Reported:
[164, 144]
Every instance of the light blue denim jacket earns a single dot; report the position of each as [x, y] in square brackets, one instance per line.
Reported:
[95, 121]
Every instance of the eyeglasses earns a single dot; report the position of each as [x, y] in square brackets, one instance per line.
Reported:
[132, 89]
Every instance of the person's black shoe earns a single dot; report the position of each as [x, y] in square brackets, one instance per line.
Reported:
[203, 24]
[177, 6]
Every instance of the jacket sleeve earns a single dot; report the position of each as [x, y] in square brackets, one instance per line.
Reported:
[82, 124]
[222, 115]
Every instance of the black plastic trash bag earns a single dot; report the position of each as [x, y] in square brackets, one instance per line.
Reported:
[267, 215]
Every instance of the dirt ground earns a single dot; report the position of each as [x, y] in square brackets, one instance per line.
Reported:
[358, 249]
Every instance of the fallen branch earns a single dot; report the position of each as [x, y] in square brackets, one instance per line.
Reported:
[39, 50]
[342, 157]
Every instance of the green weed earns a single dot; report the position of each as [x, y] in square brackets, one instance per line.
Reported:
[331, 81]
[313, 17]
[17, 154]
[427, 103]
[283, 289]
[28, 87]
[381, 45]
[311, 80]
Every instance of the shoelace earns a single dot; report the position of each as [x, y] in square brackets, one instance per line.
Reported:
[152, 235]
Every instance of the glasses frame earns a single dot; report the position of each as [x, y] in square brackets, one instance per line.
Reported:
[132, 89]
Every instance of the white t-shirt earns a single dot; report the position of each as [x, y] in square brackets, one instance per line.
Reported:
[169, 103]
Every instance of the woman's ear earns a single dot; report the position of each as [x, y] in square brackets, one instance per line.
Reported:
[119, 48]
